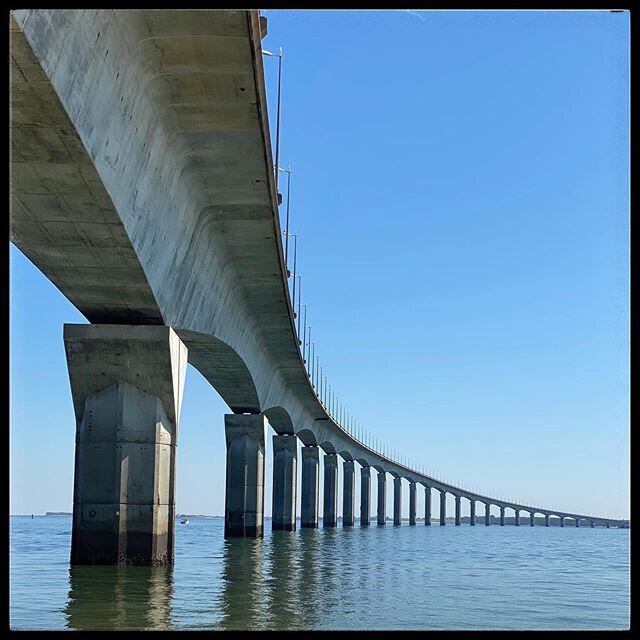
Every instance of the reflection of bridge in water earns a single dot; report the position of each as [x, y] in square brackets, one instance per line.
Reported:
[117, 598]
[143, 188]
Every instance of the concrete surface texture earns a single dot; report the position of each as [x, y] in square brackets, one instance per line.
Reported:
[127, 384]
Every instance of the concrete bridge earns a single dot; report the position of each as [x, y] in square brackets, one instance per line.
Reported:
[143, 188]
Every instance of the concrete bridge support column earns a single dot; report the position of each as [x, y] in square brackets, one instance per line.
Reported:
[244, 498]
[502, 516]
[412, 503]
[397, 501]
[285, 476]
[126, 384]
[348, 493]
[427, 506]
[562, 522]
[517, 517]
[487, 514]
[593, 524]
[577, 522]
[457, 511]
[607, 525]
[472, 513]
[443, 508]
[330, 511]
[310, 484]
[546, 521]
[382, 497]
[365, 496]
[532, 519]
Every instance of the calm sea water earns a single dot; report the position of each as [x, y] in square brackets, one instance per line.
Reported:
[353, 578]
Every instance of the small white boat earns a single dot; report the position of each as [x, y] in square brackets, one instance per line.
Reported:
[184, 520]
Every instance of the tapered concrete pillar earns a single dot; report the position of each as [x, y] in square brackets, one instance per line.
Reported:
[348, 493]
[517, 517]
[472, 513]
[577, 522]
[285, 478]
[593, 524]
[562, 522]
[397, 501]
[412, 503]
[443, 508]
[546, 521]
[427, 506]
[607, 525]
[502, 516]
[532, 519]
[330, 511]
[487, 514]
[365, 496]
[457, 511]
[244, 498]
[310, 485]
[382, 497]
[127, 383]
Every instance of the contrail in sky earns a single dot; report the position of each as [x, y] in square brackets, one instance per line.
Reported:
[413, 13]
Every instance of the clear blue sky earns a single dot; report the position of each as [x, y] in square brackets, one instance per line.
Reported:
[460, 189]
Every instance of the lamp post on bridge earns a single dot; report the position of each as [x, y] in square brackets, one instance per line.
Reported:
[295, 255]
[286, 231]
[304, 329]
[279, 56]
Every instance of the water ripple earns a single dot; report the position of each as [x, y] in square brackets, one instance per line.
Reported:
[375, 578]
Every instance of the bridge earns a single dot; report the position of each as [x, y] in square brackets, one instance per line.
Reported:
[143, 188]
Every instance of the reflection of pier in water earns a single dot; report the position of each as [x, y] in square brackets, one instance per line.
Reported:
[272, 587]
[119, 598]
[242, 595]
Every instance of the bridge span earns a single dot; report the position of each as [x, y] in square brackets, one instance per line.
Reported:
[143, 188]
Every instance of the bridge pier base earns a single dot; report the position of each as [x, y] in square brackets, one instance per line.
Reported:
[348, 493]
[517, 518]
[127, 384]
[443, 508]
[330, 511]
[412, 503]
[244, 497]
[427, 506]
[457, 516]
[577, 523]
[532, 519]
[365, 496]
[397, 501]
[382, 497]
[487, 514]
[593, 524]
[472, 513]
[285, 477]
[502, 516]
[562, 522]
[310, 485]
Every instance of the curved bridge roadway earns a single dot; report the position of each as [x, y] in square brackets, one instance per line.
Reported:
[143, 188]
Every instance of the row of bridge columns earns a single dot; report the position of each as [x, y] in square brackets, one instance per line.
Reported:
[241, 499]
[127, 383]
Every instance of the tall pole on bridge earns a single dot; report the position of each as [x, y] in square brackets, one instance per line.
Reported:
[279, 56]
[295, 252]
[286, 231]
[299, 301]
[304, 329]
